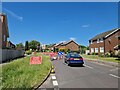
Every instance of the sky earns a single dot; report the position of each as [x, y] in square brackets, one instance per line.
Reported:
[53, 22]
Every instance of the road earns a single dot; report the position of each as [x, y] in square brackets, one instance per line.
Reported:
[91, 75]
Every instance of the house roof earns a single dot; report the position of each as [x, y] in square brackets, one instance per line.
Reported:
[58, 44]
[52, 45]
[65, 43]
[6, 23]
[105, 34]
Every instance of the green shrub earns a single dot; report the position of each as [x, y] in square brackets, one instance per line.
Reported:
[96, 53]
[93, 53]
[28, 52]
[112, 54]
[107, 54]
[63, 50]
[101, 55]
[119, 54]
[56, 49]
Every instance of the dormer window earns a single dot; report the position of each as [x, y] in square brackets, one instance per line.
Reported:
[101, 40]
[98, 41]
[91, 42]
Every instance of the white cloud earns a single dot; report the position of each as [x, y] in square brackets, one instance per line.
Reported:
[84, 26]
[72, 38]
[14, 15]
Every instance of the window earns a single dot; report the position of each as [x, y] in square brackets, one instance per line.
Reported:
[101, 49]
[4, 37]
[96, 50]
[101, 40]
[91, 42]
[92, 50]
[97, 40]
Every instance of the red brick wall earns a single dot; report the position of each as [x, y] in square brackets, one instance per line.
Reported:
[111, 42]
[72, 46]
[108, 44]
[96, 45]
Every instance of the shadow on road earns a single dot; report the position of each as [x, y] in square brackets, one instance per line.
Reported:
[76, 65]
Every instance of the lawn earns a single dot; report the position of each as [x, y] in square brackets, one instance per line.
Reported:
[110, 59]
[20, 74]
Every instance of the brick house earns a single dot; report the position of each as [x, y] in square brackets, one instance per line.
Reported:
[4, 34]
[71, 45]
[105, 42]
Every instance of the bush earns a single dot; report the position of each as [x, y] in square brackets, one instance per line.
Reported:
[96, 53]
[93, 53]
[107, 54]
[101, 55]
[56, 49]
[63, 50]
[119, 54]
[88, 54]
[112, 54]
[28, 52]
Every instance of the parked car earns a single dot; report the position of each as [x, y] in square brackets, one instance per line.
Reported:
[73, 59]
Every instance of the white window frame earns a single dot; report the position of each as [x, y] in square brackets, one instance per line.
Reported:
[98, 40]
[101, 40]
[102, 49]
[91, 42]
[92, 50]
[96, 50]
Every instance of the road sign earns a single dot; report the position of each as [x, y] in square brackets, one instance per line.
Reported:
[36, 60]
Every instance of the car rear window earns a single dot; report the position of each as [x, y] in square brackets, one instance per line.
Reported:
[75, 56]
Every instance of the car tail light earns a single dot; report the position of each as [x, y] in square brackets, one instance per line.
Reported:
[71, 58]
[81, 58]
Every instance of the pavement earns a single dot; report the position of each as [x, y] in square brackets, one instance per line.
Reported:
[104, 62]
[91, 75]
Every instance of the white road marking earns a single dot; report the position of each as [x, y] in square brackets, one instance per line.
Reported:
[114, 75]
[88, 66]
[53, 77]
[102, 64]
[114, 69]
[55, 83]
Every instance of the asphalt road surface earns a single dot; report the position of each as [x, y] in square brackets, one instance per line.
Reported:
[91, 75]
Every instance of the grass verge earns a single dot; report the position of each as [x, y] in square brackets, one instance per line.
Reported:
[109, 59]
[20, 74]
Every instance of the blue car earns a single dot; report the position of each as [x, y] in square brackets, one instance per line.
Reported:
[73, 59]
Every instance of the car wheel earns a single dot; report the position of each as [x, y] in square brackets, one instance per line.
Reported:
[81, 65]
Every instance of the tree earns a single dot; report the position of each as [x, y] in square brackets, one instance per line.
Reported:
[82, 49]
[20, 46]
[26, 46]
[34, 44]
[56, 49]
